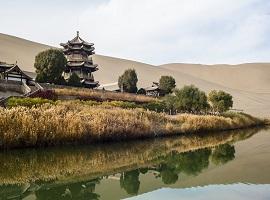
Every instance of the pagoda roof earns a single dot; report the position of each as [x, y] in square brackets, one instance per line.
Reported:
[80, 64]
[92, 84]
[77, 40]
[76, 48]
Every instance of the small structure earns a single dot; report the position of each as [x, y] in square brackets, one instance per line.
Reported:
[13, 72]
[154, 90]
[77, 52]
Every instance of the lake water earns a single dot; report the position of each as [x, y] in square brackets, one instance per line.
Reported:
[229, 165]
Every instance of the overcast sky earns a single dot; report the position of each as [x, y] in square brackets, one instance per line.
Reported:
[151, 31]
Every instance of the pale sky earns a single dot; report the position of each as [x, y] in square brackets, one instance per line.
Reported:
[151, 31]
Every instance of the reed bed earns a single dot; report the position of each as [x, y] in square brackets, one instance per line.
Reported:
[75, 122]
[100, 95]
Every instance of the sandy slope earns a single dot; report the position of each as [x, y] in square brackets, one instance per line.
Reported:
[248, 83]
[14, 49]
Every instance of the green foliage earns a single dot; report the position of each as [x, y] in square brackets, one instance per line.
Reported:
[166, 84]
[120, 104]
[141, 91]
[223, 154]
[27, 102]
[50, 65]
[170, 102]
[158, 106]
[74, 80]
[130, 181]
[220, 100]
[128, 81]
[190, 99]
[169, 176]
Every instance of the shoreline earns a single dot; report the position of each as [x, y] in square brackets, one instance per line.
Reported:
[91, 161]
[74, 123]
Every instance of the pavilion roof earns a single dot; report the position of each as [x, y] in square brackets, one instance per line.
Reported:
[15, 70]
[77, 41]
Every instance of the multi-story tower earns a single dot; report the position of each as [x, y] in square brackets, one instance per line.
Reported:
[78, 52]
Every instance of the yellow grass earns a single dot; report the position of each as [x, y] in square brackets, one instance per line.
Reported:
[74, 122]
[100, 95]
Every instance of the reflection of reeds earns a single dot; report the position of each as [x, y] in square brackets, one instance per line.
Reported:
[66, 164]
[71, 122]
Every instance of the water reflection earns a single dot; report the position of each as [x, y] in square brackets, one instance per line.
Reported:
[74, 173]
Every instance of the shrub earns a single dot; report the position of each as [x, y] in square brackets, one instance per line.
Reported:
[74, 80]
[128, 81]
[190, 99]
[158, 106]
[45, 94]
[166, 84]
[220, 100]
[27, 102]
[50, 65]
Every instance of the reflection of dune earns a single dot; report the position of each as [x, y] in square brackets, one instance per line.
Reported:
[248, 83]
[84, 163]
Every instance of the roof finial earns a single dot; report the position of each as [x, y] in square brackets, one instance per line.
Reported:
[78, 33]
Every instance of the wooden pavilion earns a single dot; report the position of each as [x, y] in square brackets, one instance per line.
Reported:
[13, 72]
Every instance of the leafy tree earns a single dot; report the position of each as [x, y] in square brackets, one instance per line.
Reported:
[166, 84]
[130, 181]
[169, 101]
[128, 81]
[190, 99]
[50, 65]
[220, 100]
[74, 80]
[192, 163]
[223, 154]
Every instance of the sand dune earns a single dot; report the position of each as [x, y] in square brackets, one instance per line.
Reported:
[14, 49]
[248, 83]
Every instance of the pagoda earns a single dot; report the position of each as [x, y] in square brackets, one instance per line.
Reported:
[79, 61]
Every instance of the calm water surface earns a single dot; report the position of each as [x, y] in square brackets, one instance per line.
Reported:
[229, 165]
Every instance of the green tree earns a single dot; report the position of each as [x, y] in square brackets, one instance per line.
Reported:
[50, 65]
[74, 80]
[169, 101]
[168, 176]
[130, 181]
[166, 84]
[128, 81]
[190, 99]
[223, 154]
[220, 100]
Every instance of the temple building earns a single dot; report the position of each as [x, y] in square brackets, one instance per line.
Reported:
[77, 52]
[154, 90]
[14, 73]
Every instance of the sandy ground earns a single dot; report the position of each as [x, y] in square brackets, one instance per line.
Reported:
[248, 83]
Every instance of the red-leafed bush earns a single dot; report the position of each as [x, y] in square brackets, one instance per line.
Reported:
[45, 94]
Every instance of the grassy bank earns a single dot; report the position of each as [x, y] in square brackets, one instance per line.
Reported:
[100, 95]
[75, 122]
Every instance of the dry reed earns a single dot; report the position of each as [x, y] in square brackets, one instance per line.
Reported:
[75, 122]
